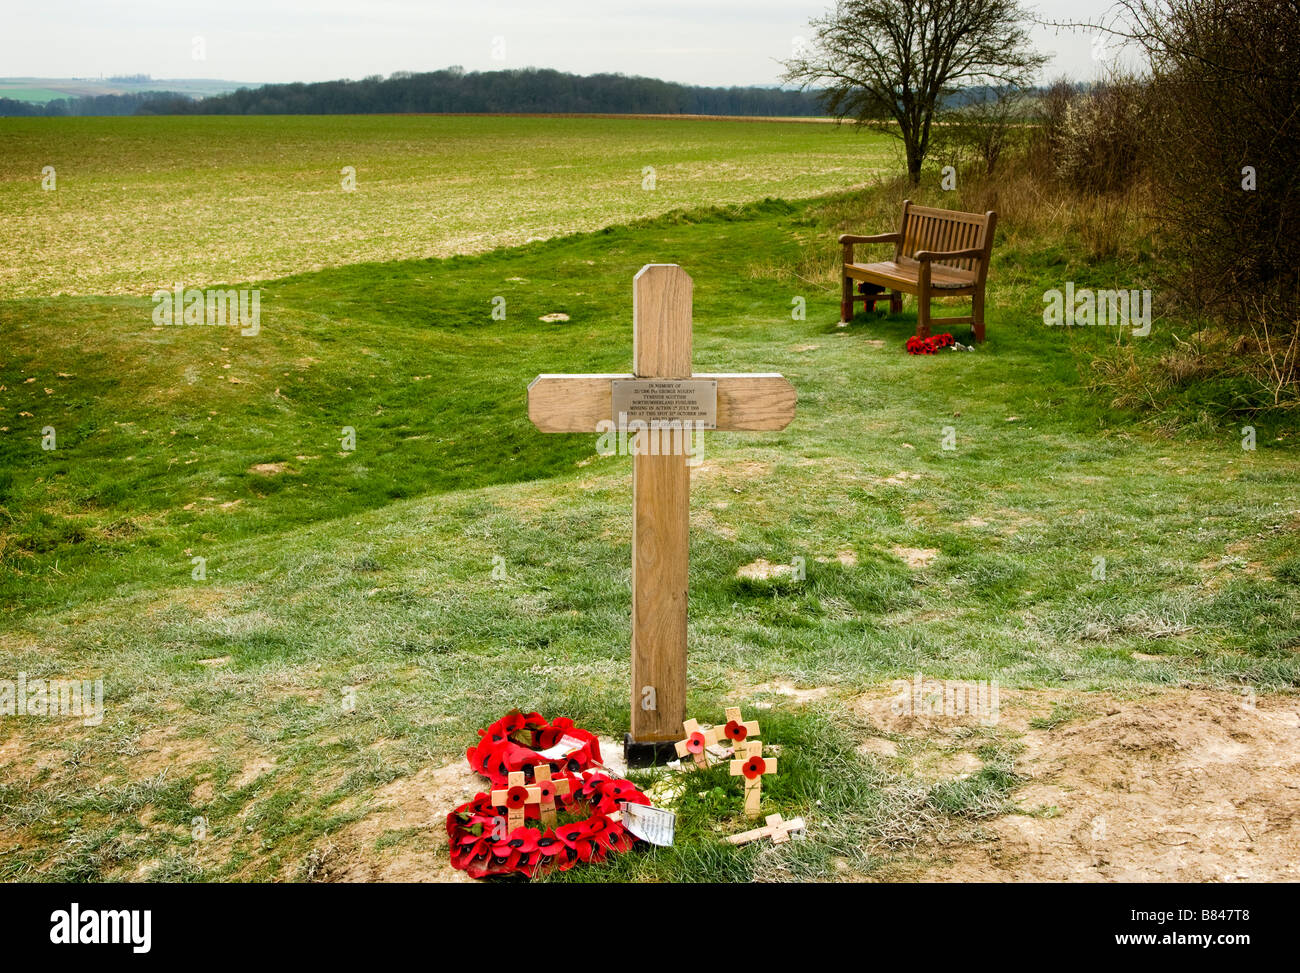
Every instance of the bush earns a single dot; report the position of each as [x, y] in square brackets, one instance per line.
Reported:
[985, 130]
[1100, 135]
[1226, 165]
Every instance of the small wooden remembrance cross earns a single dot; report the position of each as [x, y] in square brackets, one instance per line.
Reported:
[514, 797]
[776, 828]
[546, 791]
[752, 765]
[737, 730]
[661, 388]
[697, 742]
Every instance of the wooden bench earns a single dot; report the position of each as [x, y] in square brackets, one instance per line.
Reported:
[937, 253]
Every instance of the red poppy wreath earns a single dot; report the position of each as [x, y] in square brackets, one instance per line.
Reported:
[928, 346]
[479, 842]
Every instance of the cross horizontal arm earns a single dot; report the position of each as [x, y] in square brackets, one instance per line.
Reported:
[755, 402]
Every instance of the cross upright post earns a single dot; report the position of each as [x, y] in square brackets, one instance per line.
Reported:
[661, 389]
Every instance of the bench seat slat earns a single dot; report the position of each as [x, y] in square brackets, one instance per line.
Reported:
[906, 275]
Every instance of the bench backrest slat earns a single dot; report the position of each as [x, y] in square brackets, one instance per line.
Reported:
[924, 228]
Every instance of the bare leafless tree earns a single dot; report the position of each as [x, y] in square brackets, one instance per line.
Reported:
[891, 62]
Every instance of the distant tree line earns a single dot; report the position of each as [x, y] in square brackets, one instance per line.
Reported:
[524, 91]
[454, 90]
[126, 104]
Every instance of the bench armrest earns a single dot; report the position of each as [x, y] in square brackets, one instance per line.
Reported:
[925, 256]
[851, 238]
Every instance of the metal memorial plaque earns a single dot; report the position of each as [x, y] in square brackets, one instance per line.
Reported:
[667, 400]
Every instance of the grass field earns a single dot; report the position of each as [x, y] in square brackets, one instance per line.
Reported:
[144, 202]
[371, 571]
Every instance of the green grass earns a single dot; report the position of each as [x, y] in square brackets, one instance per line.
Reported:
[144, 202]
[372, 571]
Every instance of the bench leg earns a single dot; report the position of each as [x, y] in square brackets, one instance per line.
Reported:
[895, 302]
[977, 312]
[923, 316]
[846, 299]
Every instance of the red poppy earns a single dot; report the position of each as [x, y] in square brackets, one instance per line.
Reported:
[502, 863]
[695, 743]
[621, 841]
[522, 840]
[736, 731]
[549, 845]
[591, 785]
[516, 797]
[619, 790]
[545, 792]
[754, 767]
[571, 834]
[598, 824]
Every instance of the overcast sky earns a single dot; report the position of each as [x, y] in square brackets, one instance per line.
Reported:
[712, 42]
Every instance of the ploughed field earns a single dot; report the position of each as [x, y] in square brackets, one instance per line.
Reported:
[141, 203]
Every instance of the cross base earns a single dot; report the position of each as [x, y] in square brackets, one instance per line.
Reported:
[648, 754]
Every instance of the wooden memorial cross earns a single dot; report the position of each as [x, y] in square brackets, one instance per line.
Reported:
[776, 828]
[515, 797]
[697, 742]
[752, 766]
[662, 388]
[737, 730]
[547, 789]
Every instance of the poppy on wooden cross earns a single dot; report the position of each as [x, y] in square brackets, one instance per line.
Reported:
[697, 742]
[661, 389]
[737, 730]
[514, 797]
[752, 765]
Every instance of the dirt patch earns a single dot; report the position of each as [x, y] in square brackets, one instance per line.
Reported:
[915, 558]
[745, 469]
[269, 469]
[848, 559]
[164, 749]
[554, 317]
[878, 746]
[1185, 786]
[764, 570]
[704, 520]
[418, 804]
[200, 599]
[250, 772]
[800, 696]
[901, 478]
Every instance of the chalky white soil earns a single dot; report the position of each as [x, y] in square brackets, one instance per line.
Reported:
[1185, 786]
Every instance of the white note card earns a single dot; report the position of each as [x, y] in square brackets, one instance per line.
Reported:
[652, 824]
[565, 747]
